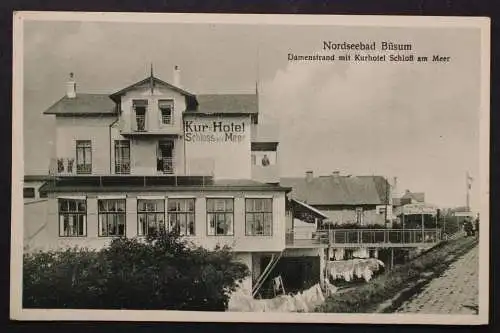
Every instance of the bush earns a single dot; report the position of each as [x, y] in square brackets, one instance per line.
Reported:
[163, 272]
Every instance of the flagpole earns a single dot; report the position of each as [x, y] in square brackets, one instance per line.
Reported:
[467, 188]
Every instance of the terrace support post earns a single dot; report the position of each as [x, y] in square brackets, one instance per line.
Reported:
[392, 258]
[423, 238]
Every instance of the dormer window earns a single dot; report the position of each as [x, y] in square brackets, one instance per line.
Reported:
[166, 111]
[140, 107]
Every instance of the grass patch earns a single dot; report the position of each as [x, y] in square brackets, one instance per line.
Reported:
[367, 298]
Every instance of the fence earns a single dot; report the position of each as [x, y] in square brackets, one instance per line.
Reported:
[356, 237]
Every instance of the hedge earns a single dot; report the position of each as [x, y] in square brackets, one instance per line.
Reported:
[163, 272]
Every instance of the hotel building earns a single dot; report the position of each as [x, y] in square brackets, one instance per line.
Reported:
[153, 154]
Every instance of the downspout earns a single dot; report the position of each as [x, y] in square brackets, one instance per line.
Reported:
[184, 143]
[111, 144]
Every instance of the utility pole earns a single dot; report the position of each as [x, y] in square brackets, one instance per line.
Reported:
[468, 186]
[387, 201]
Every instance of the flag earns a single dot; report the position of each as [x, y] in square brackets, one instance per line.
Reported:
[469, 181]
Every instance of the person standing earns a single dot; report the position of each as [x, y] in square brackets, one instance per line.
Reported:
[476, 226]
[265, 160]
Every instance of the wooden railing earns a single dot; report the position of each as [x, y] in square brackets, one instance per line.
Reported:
[363, 237]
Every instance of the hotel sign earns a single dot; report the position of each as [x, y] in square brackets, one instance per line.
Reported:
[216, 131]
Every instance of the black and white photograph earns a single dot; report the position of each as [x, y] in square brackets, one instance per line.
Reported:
[253, 168]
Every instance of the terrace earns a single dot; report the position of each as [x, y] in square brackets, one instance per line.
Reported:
[355, 238]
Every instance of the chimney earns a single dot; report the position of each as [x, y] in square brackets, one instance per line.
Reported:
[71, 86]
[177, 76]
[309, 176]
[336, 173]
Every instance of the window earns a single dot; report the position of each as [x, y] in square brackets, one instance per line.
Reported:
[165, 157]
[359, 215]
[181, 216]
[259, 217]
[140, 106]
[150, 216]
[166, 110]
[381, 210]
[72, 217]
[111, 217]
[254, 159]
[220, 216]
[84, 157]
[122, 157]
[28, 192]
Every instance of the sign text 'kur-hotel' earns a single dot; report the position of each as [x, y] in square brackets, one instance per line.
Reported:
[214, 131]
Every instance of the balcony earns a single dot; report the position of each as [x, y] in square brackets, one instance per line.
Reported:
[122, 167]
[149, 125]
[265, 174]
[67, 166]
[165, 166]
[354, 238]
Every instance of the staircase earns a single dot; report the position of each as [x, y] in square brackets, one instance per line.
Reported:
[265, 274]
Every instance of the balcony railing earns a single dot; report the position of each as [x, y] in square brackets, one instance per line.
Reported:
[122, 167]
[140, 121]
[166, 165]
[67, 166]
[363, 237]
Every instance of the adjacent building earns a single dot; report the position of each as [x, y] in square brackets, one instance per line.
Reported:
[361, 200]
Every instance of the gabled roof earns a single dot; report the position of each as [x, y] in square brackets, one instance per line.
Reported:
[227, 104]
[205, 104]
[154, 80]
[396, 201]
[83, 104]
[310, 208]
[417, 196]
[339, 190]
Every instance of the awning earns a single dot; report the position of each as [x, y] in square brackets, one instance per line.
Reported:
[310, 208]
[419, 209]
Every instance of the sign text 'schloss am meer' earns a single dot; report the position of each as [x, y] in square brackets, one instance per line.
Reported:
[214, 132]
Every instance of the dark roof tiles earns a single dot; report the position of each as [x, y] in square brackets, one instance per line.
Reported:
[83, 104]
[339, 190]
[227, 103]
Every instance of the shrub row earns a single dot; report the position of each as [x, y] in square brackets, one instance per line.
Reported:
[163, 272]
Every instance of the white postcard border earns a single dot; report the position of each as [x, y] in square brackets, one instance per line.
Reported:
[18, 313]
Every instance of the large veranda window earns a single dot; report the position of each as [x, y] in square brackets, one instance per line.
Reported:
[181, 216]
[111, 217]
[259, 217]
[122, 157]
[150, 216]
[72, 217]
[166, 111]
[83, 157]
[220, 216]
[140, 106]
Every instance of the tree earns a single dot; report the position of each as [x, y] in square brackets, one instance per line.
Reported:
[162, 272]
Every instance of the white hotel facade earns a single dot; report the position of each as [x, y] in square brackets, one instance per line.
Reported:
[155, 154]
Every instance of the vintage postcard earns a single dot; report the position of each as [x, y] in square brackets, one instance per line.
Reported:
[250, 168]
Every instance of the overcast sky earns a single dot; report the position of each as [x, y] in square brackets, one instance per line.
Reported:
[417, 122]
